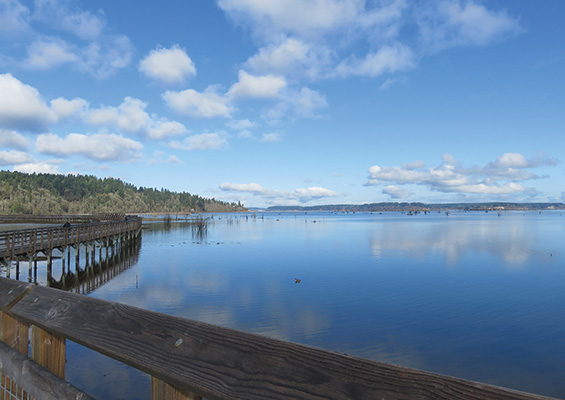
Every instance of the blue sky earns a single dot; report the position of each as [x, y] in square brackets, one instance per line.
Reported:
[294, 102]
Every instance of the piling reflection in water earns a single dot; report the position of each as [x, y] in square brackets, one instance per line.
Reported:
[92, 276]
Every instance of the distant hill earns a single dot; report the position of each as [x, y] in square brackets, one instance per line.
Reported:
[390, 206]
[22, 193]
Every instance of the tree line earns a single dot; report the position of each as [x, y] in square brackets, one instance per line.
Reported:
[22, 193]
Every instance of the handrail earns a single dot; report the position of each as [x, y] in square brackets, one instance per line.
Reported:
[23, 241]
[221, 363]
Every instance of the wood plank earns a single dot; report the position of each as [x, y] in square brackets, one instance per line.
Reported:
[11, 291]
[163, 391]
[48, 350]
[36, 380]
[14, 333]
[221, 363]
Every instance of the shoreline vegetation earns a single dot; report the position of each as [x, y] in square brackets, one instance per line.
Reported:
[420, 207]
[45, 194]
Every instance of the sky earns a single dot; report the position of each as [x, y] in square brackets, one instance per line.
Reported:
[290, 102]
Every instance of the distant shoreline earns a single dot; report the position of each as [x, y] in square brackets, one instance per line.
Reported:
[388, 206]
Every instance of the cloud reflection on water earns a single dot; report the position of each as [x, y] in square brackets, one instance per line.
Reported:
[510, 239]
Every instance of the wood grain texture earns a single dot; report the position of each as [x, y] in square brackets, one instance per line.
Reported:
[14, 333]
[221, 363]
[11, 291]
[163, 391]
[48, 350]
[37, 381]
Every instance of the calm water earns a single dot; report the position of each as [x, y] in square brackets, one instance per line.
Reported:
[473, 295]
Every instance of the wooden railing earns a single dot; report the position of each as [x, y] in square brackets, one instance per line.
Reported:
[188, 359]
[29, 241]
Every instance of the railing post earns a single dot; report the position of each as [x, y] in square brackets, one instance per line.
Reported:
[48, 350]
[163, 391]
[15, 334]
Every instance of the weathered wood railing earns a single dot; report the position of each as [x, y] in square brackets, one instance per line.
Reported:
[30, 241]
[189, 359]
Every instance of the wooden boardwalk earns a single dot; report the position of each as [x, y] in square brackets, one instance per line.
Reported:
[26, 244]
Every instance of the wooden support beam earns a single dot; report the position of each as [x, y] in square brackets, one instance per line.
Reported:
[163, 391]
[48, 350]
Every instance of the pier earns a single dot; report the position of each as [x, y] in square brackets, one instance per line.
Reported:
[44, 243]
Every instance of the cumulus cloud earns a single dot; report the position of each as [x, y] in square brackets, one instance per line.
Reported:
[396, 192]
[21, 106]
[299, 196]
[207, 104]
[130, 116]
[39, 167]
[13, 140]
[204, 141]
[169, 66]
[48, 53]
[14, 157]
[499, 177]
[97, 147]
[64, 109]
[266, 86]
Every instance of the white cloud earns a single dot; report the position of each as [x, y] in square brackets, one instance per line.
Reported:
[496, 178]
[104, 58]
[292, 56]
[62, 15]
[169, 66]
[14, 18]
[97, 147]
[48, 53]
[64, 109]
[388, 59]
[204, 141]
[268, 18]
[163, 129]
[445, 24]
[14, 157]
[21, 106]
[265, 86]
[39, 167]
[396, 192]
[299, 196]
[13, 139]
[130, 116]
[207, 104]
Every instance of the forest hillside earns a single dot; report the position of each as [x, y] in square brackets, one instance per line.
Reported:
[22, 193]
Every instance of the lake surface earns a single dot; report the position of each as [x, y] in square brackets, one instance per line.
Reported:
[475, 295]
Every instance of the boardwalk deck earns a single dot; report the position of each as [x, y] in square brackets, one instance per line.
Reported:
[29, 242]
